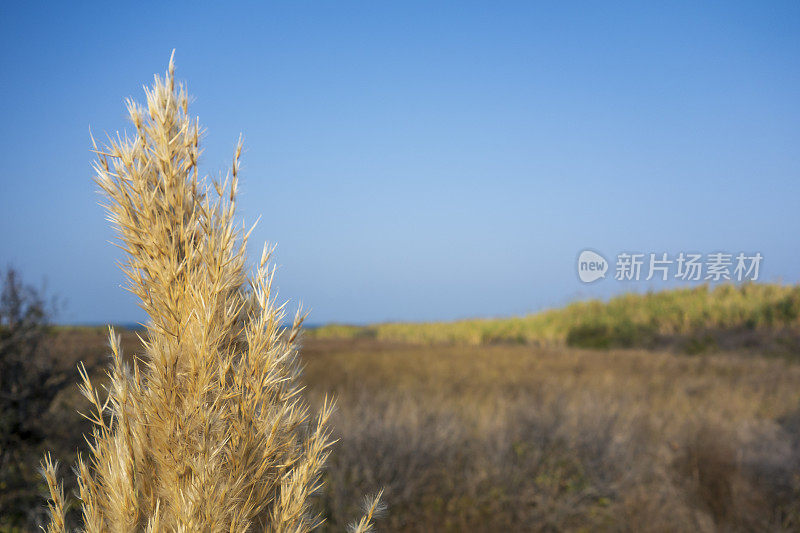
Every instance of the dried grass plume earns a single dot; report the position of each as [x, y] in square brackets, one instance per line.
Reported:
[206, 430]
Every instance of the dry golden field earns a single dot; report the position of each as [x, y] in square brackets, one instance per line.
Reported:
[521, 438]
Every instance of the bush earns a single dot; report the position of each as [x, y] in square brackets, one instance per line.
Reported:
[28, 383]
[625, 334]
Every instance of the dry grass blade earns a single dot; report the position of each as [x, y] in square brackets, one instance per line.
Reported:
[373, 508]
[56, 506]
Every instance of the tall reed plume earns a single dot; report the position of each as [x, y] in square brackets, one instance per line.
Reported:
[206, 430]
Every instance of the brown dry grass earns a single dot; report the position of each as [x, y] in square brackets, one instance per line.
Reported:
[516, 438]
[510, 438]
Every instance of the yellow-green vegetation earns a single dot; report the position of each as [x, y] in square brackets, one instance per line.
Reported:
[693, 318]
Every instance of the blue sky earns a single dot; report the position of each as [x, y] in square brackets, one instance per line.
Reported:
[419, 160]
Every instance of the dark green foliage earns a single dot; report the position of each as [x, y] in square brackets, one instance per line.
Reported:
[625, 334]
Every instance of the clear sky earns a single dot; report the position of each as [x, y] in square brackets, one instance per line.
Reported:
[418, 160]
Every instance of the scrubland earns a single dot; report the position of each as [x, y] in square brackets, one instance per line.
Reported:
[510, 437]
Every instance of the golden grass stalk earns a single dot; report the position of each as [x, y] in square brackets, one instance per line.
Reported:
[373, 507]
[207, 429]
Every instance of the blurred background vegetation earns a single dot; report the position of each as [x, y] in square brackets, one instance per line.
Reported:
[764, 316]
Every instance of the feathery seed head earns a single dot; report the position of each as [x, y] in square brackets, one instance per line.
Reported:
[207, 429]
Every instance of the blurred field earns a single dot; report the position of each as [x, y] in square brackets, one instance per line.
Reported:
[510, 438]
[692, 320]
[514, 437]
